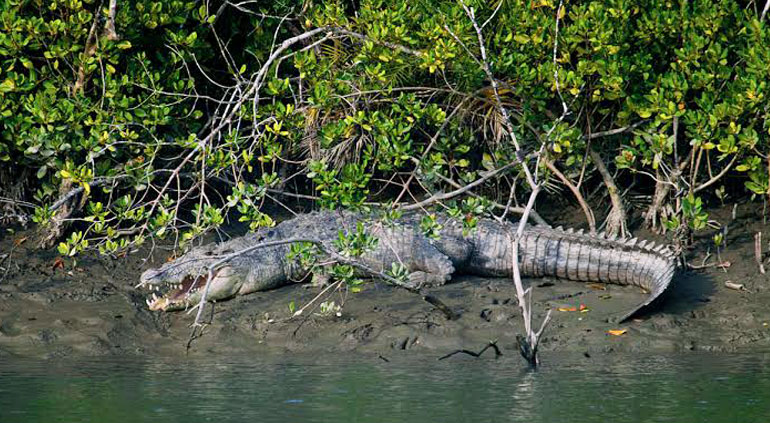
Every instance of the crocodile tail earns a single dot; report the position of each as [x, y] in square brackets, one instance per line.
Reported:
[573, 255]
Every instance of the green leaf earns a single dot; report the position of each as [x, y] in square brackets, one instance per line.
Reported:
[8, 85]
[521, 39]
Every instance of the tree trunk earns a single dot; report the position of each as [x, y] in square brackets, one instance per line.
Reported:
[616, 219]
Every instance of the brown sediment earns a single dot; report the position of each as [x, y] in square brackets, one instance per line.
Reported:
[95, 310]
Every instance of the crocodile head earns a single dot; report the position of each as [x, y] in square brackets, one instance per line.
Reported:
[179, 284]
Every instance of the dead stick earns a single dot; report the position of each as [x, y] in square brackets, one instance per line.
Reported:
[758, 252]
[492, 344]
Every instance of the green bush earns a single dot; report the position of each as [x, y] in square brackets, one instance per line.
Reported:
[180, 124]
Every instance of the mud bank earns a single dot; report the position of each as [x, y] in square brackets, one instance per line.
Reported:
[93, 309]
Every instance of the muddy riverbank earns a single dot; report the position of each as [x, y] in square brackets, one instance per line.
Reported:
[50, 311]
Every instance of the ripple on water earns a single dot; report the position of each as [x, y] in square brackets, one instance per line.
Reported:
[680, 388]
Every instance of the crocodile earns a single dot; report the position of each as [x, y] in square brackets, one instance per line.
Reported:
[484, 251]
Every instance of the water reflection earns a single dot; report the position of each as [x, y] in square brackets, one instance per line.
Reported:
[714, 388]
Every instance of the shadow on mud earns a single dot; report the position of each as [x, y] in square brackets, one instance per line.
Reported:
[688, 291]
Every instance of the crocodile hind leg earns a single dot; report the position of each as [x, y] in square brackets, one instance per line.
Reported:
[433, 266]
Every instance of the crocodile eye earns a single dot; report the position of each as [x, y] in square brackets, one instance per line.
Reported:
[270, 234]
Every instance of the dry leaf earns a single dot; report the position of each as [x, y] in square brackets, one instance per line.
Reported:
[617, 332]
[18, 241]
[582, 308]
[597, 286]
[58, 263]
[605, 297]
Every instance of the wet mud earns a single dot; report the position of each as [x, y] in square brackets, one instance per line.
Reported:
[93, 309]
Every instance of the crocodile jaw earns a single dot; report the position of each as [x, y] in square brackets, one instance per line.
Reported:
[167, 294]
[181, 290]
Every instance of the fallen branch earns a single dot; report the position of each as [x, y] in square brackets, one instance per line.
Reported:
[735, 286]
[722, 264]
[491, 344]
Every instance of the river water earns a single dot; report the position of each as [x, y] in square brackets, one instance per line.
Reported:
[609, 388]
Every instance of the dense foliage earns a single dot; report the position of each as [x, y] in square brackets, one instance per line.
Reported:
[188, 114]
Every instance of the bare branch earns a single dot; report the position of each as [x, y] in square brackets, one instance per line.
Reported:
[576, 192]
[717, 176]
[615, 131]
[446, 196]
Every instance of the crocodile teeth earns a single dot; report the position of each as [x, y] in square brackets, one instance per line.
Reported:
[147, 300]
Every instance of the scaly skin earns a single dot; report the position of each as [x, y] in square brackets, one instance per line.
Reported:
[543, 251]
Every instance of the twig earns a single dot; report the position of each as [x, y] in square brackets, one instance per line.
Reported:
[718, 175]
[758, 252]
[576, 192]
[331, 286]
[615, 131]
[764, 11]
[446, 196]
[491, 344]
[77, 190]
[20, 203]
[722, 264]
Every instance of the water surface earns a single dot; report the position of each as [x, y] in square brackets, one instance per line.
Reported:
[677, 388]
